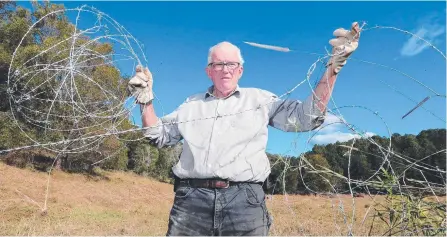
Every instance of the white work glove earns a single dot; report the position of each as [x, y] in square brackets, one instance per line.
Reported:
[140, 86]
[345, 43]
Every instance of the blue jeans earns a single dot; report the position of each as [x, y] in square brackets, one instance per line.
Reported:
[236, 210]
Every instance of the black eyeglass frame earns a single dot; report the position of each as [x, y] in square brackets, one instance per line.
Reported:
[223, 64]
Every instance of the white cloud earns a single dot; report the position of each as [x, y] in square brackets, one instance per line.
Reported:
[331, 124]
[430, 30]
[330, 131]
[338, 136]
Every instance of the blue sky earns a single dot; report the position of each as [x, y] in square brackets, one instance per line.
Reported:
[177, 35]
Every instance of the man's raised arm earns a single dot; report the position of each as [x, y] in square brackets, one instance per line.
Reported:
[343, 46]
[158, 133]
[295, 116]
[149, 117]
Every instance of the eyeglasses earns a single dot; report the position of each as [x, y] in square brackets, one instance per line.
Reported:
[220, 65]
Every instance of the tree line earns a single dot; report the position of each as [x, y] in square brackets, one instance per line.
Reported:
[414, 160]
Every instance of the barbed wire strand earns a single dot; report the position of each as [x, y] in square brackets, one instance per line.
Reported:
[108, 125]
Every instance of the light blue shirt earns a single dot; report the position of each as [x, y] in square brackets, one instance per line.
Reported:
[227, 137]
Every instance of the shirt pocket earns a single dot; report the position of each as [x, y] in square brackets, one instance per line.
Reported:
[248, 121]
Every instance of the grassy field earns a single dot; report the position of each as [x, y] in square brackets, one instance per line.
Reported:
[127, 204]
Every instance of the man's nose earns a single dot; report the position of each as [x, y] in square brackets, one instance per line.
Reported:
[225, 68]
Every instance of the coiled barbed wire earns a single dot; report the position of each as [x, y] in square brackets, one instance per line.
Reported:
[62, 94]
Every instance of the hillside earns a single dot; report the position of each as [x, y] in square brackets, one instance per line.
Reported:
[127, 204]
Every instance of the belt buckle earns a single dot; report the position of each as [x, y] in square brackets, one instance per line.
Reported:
[228, 184]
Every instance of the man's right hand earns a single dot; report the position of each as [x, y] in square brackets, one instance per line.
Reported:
[140, 86]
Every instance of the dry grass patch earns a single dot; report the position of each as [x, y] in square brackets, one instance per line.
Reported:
[128, 204]
[123, 204]
[315, 215]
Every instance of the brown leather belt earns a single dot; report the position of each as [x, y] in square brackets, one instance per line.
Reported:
[207, 183]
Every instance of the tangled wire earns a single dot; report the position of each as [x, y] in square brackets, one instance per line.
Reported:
[74, 92]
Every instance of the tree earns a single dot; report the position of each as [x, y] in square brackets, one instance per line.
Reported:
[53, 101]
[315, 175]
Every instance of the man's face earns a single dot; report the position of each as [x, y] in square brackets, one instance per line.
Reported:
[225, 69]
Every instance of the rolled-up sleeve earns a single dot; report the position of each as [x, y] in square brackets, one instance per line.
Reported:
[295, 116]
[165, 132]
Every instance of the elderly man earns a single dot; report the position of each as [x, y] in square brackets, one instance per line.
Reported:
[223, 164]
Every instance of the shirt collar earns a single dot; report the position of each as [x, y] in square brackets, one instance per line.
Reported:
[210, 89]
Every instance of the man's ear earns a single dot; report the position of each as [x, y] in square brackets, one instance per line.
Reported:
[208, 72]
[241, 71]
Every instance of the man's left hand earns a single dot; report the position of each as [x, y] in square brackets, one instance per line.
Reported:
[345, 43]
